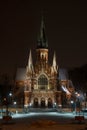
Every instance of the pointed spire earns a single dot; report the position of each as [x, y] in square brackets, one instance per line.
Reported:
[42, 41]
[54, 59]
[55, 67]
[30, 63]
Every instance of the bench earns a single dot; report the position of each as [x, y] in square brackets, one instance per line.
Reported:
[7, 118]
[79, 118]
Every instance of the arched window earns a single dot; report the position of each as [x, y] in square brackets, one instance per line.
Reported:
[42, 82]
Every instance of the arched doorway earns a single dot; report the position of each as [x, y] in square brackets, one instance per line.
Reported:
[36, 102]
[42, 102]
[50, 104]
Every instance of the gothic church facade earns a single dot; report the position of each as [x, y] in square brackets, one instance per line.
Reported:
[42, 87]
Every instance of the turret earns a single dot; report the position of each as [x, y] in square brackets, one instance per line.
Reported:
[54, 65]
[30, 68]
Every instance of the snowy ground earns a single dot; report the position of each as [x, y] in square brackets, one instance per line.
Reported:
[22, 122]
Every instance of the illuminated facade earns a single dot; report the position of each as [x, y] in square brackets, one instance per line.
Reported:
[42, 85]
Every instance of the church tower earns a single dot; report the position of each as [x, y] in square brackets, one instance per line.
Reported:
[42, 47]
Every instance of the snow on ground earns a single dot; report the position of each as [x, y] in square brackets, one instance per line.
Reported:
[43, 124]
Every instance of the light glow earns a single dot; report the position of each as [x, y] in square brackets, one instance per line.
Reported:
[65, 90]
[15, 103]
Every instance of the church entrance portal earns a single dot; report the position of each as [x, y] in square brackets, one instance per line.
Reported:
[42, 102]
[50, 103]
[36, 102]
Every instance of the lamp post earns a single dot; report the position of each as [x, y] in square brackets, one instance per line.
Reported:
[77, 103]
[73, 106]
[15, 105]
[5, 102]
[10, 99]
[10, 94]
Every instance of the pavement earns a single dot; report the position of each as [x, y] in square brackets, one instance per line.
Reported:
[48, 120]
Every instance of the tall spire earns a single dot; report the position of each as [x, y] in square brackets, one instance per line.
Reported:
[42, 41]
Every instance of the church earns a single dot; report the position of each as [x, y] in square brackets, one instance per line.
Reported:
[41, 83]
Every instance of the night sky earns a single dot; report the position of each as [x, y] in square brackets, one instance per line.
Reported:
[66, 30]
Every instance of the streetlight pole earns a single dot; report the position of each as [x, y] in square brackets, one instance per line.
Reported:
[15, 103]
[10, 98]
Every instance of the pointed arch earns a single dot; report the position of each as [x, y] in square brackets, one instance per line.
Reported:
[35, 102]
[50, 104]
[42, 102]
[42, 82]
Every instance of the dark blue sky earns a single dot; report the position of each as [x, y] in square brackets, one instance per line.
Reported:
[66, 30]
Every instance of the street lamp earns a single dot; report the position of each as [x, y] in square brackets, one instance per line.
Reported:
[10, 98]
[10, 94]
[77, 102]
[15, 105]
[72, 105]
[15, 102]
[5, 103]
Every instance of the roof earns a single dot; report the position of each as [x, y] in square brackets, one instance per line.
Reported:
[21, 74]
[63, 74]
